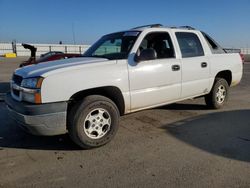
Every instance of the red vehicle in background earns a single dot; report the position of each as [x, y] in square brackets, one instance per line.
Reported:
[50, 56]
[242, 57]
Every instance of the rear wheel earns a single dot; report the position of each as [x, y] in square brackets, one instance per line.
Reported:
[218, 95]
[94, 122]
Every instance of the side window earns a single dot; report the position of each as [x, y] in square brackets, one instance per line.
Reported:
[160, 42]
[190, 44]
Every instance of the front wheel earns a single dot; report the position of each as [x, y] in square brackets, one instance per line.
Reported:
[218, 95]
[93, 122]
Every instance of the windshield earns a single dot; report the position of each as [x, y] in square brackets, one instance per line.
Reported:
[113, 46]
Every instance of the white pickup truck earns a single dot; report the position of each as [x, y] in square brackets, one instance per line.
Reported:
[123, 72]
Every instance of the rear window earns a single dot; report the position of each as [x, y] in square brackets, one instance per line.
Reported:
[190, 44]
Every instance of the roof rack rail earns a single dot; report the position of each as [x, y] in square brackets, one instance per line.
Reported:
[150, 26]
[187, 27]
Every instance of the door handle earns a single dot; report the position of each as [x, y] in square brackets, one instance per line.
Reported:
[176, 67]
[203, 64]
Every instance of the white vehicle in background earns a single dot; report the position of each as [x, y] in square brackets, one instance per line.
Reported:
[123, 72]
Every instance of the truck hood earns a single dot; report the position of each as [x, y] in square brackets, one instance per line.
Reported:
[55, 66]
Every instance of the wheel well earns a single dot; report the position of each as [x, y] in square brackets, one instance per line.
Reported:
[227, 75]
[110, 92]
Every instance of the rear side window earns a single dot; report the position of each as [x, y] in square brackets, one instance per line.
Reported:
[214, 47]
[190, 44]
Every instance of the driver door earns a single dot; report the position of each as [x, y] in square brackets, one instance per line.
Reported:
[155, 82]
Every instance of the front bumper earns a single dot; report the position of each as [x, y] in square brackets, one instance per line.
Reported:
[43, 119]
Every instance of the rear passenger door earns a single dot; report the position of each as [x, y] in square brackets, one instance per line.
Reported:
[195, 65]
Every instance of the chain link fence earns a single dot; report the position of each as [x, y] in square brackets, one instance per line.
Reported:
[245, 51]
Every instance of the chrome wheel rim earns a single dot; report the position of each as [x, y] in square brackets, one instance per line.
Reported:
[221, 94]
[97, 123]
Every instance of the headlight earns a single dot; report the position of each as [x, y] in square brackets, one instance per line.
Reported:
[31, 90]
[32, 83]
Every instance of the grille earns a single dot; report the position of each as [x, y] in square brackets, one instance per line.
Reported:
[17, 79]
[15, 92]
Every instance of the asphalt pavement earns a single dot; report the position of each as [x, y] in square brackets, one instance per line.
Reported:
[178, 145]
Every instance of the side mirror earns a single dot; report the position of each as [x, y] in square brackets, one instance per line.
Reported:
[146, 54]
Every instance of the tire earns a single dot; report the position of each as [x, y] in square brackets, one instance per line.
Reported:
[93, 122]
[218, 96]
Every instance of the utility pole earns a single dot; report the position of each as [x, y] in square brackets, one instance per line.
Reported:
[73, 32]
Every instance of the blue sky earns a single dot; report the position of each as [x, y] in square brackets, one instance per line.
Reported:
[51, 21]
